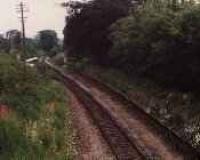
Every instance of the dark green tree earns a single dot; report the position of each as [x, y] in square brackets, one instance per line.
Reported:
[47, 40]
[14, 39]
[4, 45]
[161, 44]
[88, 24]
[32, 47]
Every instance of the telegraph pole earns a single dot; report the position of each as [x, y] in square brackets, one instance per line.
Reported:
[22, 9]
[23, 28]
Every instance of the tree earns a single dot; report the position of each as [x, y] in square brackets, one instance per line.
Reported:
[4, 46]
[32, 47]
[14, 39]
[88, 25]
[161, 44]
[48, 40]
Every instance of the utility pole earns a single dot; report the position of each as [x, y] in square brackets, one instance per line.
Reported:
[23, 28]
[22, 9]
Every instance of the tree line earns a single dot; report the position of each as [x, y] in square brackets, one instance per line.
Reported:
[154, 39]
[45, 42]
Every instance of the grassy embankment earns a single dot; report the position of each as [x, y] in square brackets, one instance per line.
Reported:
[36, 125]
[175, 109]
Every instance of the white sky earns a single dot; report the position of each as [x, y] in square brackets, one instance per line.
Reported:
[42, 14]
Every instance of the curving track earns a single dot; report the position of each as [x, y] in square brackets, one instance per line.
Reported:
[130, 132]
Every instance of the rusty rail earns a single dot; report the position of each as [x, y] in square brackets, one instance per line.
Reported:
[178, 144]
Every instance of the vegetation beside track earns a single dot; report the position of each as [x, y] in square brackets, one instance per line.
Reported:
[37, 125]
[151, 51]
[156, 40]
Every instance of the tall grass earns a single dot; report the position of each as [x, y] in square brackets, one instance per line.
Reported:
[38, 127]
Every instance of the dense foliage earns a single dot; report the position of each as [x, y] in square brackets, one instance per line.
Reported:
[158, 40]
[35, 124]
[161, 44]
[22, 90]
[4, 44]
[48, 40]
[88, 26]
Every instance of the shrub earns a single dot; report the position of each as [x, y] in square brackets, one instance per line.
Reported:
[25, 91]
[159, 43]
[36, 127]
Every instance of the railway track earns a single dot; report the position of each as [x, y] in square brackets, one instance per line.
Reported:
[130, 132]
[119, 143]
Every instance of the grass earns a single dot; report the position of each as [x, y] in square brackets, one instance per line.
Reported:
[39, 124]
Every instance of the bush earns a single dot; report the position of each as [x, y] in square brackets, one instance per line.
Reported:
[18, 87]
[25, 91]
[159, 43]
[36, 126]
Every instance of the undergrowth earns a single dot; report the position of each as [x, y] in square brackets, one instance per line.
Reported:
[38, 126]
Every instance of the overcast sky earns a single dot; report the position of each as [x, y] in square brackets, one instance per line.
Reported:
[43, 14]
